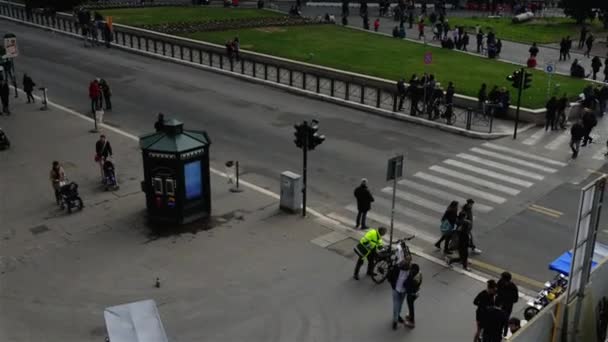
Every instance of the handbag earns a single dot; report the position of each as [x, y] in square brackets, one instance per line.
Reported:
[445, 226]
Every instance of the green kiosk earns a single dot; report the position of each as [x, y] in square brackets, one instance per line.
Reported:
[176, 173]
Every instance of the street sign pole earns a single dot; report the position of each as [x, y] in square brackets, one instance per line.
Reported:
[304, 167]
[519, 90]
[549, 69]
[394, 171]
[393, 205]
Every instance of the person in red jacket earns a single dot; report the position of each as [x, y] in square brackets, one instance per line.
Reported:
[421, 29]
[95, 95]
[376, 24]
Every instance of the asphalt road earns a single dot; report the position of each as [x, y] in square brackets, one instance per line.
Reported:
[254, 124]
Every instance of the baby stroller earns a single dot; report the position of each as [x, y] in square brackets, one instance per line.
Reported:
[109, 176]
[4, 142]
[69, 197]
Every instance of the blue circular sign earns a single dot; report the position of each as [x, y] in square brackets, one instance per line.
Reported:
[549, 68]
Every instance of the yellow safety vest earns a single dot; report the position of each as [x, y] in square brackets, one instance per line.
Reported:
[371, 240]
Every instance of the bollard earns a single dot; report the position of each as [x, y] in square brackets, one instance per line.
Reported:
[469, 117]
[44, 99]
[229, 164]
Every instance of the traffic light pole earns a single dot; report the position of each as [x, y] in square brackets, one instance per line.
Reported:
[519, 91]
[304, 165]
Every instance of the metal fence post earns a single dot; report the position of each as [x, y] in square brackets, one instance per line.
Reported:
[378, 94]
[491, 122]
[191, 55]
[242, 66]
[290, 77]
[265, 71]
[395, 95]
[147, 46]
[304, 80]
[211, 59]
[138, 42]
[331, 86]
[172, 50]
[318, 84]
[200, 56]
[469, 117]
[221, 61]
[131, 40]
[347, 95]
[254, 68]
[278, 74]
[362, 94]
[181, 52]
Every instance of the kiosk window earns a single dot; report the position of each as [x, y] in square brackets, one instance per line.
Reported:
[170, 187]
[194, 180]
[157, 183]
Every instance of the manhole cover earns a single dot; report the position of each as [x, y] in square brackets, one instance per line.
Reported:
[39, 229]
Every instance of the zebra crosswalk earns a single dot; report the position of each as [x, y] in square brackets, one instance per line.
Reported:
[558, 141]
[491, 174]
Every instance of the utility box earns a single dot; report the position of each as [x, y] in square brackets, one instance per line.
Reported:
[291, 192]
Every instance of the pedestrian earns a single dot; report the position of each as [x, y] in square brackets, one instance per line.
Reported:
[479, 38]
[367, 249]
[468, 210]
[498, 47]
[602, 98]
[95, 95]
[449, 103]
[589, 121]
[589, 44]
[562, 104]
[550, 114]
[562, 49]
[57, 176]
[28, 87]
[412, 288]
[465, 41]
[410, 20]
[493, 324]
[108, 36]
[577, 70]
[514, 325]
[103, 150]
[596, 64]
[236, 48]
[507, 294]
[4, 96]
[401, 91]
[447, 226]
[364, 202]
[396, 31]
[106, 93]
[421, 29]
[414, 91]
[482, 97]
[484, 300]
[396, 277]
[533, 50]
[577, 132]
[446, 29]
[583, 36]
[461, 238]
[376, 24]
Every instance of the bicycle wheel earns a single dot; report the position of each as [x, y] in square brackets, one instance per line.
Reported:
[380, 271]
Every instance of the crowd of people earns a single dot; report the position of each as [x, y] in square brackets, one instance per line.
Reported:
[100, 93]
[496, 102]
[426, 95]
[93, 27]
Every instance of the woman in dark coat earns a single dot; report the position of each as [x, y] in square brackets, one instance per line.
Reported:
[448, 224]
[28, 87]
[463, 231]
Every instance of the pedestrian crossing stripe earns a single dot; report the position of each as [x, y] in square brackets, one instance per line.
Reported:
[559, 140]
[524, 154]
[500, 166]
[475, 180]
[415, 199]
[442, 194]
[534, 138]
[488, 173]
[459, 187]
[513, 160]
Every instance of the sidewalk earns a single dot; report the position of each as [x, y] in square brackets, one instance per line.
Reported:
[254, 275]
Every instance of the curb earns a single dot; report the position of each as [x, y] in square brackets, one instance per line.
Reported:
[309, 94]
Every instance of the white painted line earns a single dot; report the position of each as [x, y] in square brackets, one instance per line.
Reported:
[534, 138]
[403, 227]
[461, 188]
[417, 200]
[400, 209]
[559, 140]
[443, 195]
[489, 173]
[500, 166]
[475, 180]
[524, 154]
[513, 160]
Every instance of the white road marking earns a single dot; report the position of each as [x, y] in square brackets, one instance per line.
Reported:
[534, 138]
[442, 194]
[400, 209]
[500, 166]
[474, 180]
[559, 140]
[513, 160]
[417, 200]
[462, 188]
[489, 173]
[524, 154]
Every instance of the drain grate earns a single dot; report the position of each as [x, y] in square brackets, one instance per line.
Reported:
[39, 229]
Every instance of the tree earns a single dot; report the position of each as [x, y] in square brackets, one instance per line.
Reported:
[580, 10]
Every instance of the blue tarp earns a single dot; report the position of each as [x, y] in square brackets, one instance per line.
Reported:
[563, 262]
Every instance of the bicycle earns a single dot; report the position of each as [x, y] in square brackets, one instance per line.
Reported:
[387, 257]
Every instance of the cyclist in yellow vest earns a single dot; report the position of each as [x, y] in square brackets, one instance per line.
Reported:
[368, 245]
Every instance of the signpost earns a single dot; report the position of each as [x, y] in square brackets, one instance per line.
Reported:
[549, 69]
[428, 59]
[587, 224]
[394, 171]
[11, 51]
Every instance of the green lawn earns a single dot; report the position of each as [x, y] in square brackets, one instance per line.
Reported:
[167, 15]
[365, 53]
[542, 30]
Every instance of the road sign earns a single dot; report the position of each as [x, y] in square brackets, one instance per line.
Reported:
[428, 57]
[10, 45]
[550, 68]
[394, 168]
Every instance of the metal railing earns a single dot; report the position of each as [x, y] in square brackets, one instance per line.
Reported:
[344, 86]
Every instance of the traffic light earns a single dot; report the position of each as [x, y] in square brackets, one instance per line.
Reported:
[527, 80]
[300, 134]
[515, 79]
[314, 138]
